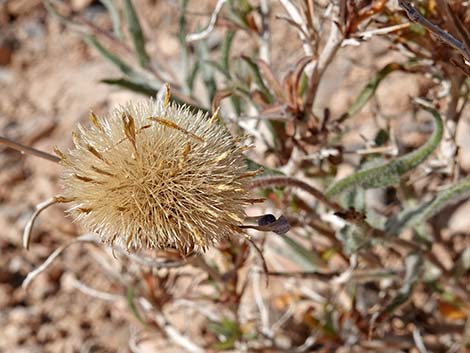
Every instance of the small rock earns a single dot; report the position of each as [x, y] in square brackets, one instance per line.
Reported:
[463, 141]
[78, 5]
[7, 76]
[20, 7]
[459, 221]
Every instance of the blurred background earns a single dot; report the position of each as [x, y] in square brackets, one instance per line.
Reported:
[321, 89]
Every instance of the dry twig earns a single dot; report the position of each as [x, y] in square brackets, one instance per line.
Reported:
[28, 150]
[193, 37]
[415, 16]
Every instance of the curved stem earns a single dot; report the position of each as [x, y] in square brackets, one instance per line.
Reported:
[29, 150]
[29, 226]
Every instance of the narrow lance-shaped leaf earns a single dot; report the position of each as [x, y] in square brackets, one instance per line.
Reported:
[267, 97]
[135, 30]
[218, 66]
[94, 42]
[369, 90]
[271, 80]
[226, 67]
[193, 75]
[389, 173]
[184, 50]
[121, 65]
[131, 85]
[207, 72]
[258, 79]
[141, 86]
[115, 18]
[226, 46]
[418, 215]
[131, 304]
[306, 258]
[414, 266]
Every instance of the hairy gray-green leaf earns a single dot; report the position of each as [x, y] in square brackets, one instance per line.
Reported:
[417, 215]
[356, 199]
[135, 30]
[389, 173]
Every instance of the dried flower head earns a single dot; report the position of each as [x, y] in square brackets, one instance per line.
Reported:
[155, 174]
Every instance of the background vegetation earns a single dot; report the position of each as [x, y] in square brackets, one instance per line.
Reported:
[337, 98]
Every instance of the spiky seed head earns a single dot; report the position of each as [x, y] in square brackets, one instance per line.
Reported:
[156, 175]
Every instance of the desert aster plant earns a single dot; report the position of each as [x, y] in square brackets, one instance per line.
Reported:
[155, 174]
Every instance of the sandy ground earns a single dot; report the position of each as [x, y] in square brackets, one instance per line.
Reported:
[49, 81]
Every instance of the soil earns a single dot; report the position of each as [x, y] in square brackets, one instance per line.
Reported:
[49, 81]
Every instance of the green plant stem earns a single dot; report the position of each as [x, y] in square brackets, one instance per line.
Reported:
[390, 173]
